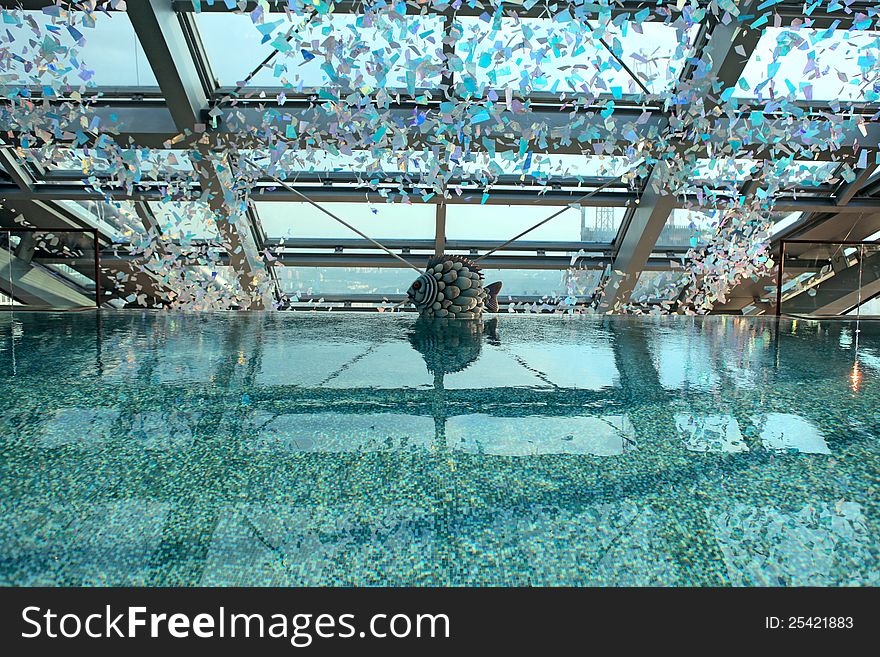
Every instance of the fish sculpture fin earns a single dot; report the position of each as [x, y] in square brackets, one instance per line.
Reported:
[492, 291]
[466, 262]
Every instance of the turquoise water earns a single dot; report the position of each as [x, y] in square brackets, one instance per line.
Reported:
[332, 449]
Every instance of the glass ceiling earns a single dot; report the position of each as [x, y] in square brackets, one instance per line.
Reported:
[796, 173]
[118, 220]
[535, 55]
[787, 220]
[491, 58]
[71, 48]
[810, 64]
[185, 221]
[406, 53]
[291, 163]
[378, 220]
[310, 53]
[145, 163]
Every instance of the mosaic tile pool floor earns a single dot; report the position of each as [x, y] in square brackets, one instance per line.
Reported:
[333, 449]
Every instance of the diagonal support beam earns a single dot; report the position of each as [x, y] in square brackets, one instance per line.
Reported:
[728, 49]
[161, 34]
[148, 219]
[16, 169]
[636, 246]
[232, 222]
[849, 190]
[35, 286]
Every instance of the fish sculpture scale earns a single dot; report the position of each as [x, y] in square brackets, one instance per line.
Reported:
[452, 287]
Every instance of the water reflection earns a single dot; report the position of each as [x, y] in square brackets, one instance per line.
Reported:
[182, 449]
[447, 346]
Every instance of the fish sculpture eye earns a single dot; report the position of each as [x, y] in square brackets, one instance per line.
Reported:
[417, 285]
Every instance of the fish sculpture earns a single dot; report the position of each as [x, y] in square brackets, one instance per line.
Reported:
[452, 287]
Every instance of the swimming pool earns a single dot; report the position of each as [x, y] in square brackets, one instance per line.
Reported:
[352, 449]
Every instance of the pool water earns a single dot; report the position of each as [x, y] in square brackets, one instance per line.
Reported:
[353, 449]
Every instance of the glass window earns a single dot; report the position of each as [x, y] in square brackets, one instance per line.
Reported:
[501, 222]
[784, 222]
[315, 281]
[871, 307]
[316, 50]
[96, 49]
[658, 286]
[687, 228]
[803, 173]
[812, 64]
[542, 55]
[72, 274]
[552, 283]
[377, 220]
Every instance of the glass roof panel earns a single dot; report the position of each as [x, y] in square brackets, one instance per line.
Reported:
[152, 163]
[319, 50]
[784, 222]
[502, 222]
[72, 49]
[118, 219]
[796, 173]
[689, 228]
[813, 64]
[542, 55]
[378, 220]
[538, 165]
[185, 221]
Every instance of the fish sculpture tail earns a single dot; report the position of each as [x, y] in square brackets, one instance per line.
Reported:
[492, 291]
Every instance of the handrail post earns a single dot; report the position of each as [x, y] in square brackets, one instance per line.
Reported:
[779, 268]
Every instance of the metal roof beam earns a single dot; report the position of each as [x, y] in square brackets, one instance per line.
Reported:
[639, 240]
[330, 194]
[162, 37]
[15, 168]
[34, 285]
[724, 43]
[848, 190]
[234, 227]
